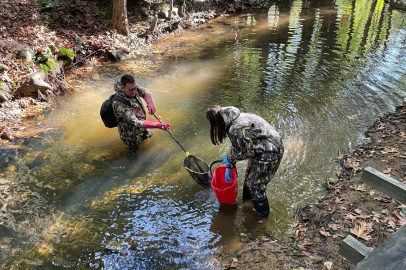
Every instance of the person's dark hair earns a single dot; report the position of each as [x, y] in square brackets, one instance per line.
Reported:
[127, 79]
[217, 125]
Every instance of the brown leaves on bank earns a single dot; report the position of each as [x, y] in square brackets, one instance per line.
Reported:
[362, 230]
[359, 224]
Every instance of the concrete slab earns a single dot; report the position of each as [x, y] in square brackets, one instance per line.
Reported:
[385, 184]
[390, 255]
[353, 250]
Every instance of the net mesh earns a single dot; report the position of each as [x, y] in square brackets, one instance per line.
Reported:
[198, 169]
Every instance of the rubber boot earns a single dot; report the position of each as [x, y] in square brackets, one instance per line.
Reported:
[262, 207]
[246, 194]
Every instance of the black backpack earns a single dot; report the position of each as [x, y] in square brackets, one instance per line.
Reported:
[107, 112]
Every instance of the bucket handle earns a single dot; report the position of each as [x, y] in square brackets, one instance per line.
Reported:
[218, 161]
[211, 165]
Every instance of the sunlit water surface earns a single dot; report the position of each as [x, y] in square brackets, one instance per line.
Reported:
[320, 72]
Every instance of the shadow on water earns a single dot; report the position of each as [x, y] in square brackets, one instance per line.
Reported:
[320, 72]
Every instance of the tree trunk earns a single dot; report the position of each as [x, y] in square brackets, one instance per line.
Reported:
[181, 11]
[170, 10]
[153, 25]
[120, 21]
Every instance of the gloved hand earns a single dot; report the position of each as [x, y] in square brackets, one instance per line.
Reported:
[226, 162]
[228, 175]
[152, 124]
[150, 104]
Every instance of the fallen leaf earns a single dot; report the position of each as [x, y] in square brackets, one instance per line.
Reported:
[396, 130]
[349, 163]
[362, 230]
[390, 221]
[294, 223]
[376, 217]
[334, 226]
[307, 245]
[302, 227]
[384, 199]
[324, 232]
[350, 217]
[401, 217]
[233, 266]
[328, 265]
[361, 187]
[338, 200]
[388, 170]
[358, 211]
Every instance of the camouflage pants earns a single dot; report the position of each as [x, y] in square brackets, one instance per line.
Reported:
[135, 140]
[260, 172]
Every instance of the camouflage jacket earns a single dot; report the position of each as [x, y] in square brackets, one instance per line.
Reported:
[129, 118]
[250, 136]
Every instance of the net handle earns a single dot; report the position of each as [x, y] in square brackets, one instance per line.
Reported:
[160, 121]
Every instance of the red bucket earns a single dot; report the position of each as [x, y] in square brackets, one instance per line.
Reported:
[225, 192]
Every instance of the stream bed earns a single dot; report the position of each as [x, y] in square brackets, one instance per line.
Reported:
[321, 72]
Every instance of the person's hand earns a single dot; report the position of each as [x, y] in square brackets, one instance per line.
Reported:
[228, 175]
[150, 104]
[165, 126]
[226, 162]
[151, 108]
[152, 124]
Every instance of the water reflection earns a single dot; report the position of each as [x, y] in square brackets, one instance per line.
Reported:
[318, 71]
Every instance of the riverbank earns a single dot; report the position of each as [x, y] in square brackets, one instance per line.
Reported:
[50, 40]
[350, 207]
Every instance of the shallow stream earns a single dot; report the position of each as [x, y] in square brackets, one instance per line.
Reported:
[320, 71]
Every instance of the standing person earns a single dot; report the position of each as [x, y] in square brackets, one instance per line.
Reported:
[132, 123]
[251, 138]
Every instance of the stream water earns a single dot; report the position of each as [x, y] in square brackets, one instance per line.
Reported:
[320, 71]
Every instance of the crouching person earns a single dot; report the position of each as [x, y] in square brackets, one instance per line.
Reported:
[251, 138]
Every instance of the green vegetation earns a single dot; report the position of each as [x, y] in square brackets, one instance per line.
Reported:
[50, 3]
[46, 24]
[49, 66]
[65, 53]
[45, 68]
[163, 6]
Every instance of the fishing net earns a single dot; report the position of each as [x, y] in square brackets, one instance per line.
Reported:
[198, 169]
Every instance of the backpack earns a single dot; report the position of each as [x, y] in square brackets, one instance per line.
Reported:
[107, 112]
